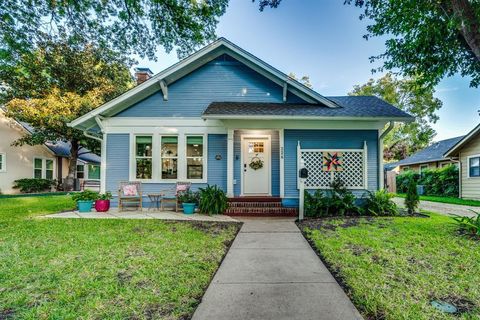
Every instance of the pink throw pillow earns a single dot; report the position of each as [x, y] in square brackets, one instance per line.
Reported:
[130, 190]
[182, 187]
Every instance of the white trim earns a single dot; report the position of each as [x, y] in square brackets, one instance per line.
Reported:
[156, 157]
[365, 167]
[460, 143]
[281, 157]
[244, 137]
[196, 60]
[230, 162]
[468, 166]
[3, 155]
[270, 124]
[103, 165]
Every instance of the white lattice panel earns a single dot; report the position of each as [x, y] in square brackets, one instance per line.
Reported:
[353, 174]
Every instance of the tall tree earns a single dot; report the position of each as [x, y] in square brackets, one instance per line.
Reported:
[427, 40]
[56, 84]
[407, 95]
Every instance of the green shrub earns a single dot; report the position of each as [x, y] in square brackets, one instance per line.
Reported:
[213, 200]
[337, 201]
[469, 225]
[85, 195]
[33, 185]
[188, 196]
[440, 182]
[412, 199]
[380, 203]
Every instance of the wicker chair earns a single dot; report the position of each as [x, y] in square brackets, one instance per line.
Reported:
[129, 199]
[171, 195]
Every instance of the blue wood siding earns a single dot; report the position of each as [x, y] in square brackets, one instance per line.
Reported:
[118, 153]
[329, 139]
[275, 156]
[217, 169]
[215, 81]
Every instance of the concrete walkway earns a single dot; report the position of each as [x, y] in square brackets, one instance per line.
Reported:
[441, 208]
[271, 272]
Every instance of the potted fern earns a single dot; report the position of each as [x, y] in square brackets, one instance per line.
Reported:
[85, 200]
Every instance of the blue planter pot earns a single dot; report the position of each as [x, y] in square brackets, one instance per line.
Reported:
[290, 203]
[84, 205]
[188, 208]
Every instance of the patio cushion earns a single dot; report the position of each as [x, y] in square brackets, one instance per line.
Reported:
[130, 190]
[182, 187]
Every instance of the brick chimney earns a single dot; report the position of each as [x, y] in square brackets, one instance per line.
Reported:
[142, 75]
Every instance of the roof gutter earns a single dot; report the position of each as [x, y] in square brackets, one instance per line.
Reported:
[290, 117]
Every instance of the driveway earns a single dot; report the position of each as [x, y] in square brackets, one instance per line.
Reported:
[442, 208]
[271, 272]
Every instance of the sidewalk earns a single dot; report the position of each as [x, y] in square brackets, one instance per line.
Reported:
[271, 272]
[441, 208]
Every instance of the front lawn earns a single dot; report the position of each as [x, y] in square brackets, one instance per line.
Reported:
[393, 267]
[98, 269]
[451, 200]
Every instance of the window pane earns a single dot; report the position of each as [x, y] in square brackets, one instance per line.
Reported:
[194, 146]
[474, 171]
[1, 161]
[49, 164]
[169, 146]
[80, 172]
[474, 162]
[194, 168]
[37, 173]
[93, 172]
[169, 168]
[49, 174]
[144, 169]
[143, 146]
[38, 163]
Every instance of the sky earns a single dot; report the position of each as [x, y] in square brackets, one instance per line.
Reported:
[323, 39]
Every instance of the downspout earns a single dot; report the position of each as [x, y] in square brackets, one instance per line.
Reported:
[381, 180]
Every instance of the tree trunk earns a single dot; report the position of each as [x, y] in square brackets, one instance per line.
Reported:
[72, 167]
[469, 24]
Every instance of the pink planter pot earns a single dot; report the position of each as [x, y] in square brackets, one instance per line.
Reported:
[102, 205]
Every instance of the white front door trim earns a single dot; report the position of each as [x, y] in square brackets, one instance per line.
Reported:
[268, 137]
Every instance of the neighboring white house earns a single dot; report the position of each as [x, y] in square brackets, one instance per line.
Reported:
[48, 161]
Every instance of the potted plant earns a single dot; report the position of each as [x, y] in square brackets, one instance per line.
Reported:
[213, 200]
[85, 200]
[103, 202]
[189, 200]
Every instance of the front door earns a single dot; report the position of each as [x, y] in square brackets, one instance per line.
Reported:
[256, 166]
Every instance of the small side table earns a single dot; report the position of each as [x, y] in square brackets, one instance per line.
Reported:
[155, 199]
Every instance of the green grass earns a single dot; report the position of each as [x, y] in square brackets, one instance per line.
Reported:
[394, 267]
[102, 269]
[452, 200]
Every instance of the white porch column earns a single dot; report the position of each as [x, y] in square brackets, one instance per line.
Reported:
[282, 163]
[103, 164]
[230, 161]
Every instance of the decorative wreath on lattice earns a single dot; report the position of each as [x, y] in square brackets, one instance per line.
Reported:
[256, 163]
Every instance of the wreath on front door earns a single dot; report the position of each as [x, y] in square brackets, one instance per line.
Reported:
[256, 163]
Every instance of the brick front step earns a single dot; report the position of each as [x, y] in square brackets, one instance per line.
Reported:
[255, 199]
[254, 204]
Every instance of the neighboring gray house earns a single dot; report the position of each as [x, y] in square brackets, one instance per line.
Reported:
[224, 117]
[431, 157]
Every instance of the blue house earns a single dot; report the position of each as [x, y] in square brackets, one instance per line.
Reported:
[222, 116]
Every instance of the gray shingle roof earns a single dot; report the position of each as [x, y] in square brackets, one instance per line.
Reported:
[434, 152]
[350, 106]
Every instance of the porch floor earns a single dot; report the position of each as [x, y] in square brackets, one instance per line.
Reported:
[144, 214]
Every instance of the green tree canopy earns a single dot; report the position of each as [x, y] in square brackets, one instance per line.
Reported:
[127, 26]
[57, 83]
[408, 96]
[427, 40]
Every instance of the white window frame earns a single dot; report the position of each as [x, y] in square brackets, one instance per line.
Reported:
[157, 134]
[160, 157]
[88, 171]
[406, 168]
[76, 174]
[468, 166]
[44, 167]
[3, 155]
[204, 157]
